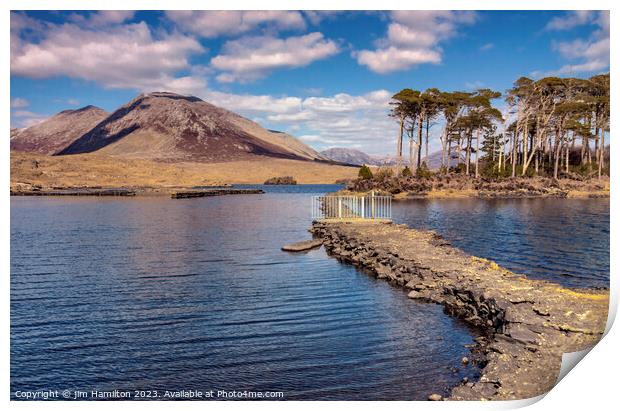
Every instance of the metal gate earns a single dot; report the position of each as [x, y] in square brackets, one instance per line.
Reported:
[363, 207]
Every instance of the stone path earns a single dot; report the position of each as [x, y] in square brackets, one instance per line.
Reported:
[529, 323]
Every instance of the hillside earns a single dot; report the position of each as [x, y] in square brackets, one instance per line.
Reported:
[57, 132]
[172, 127]
[28, 169]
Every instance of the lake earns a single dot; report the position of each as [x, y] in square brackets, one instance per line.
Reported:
[150, 293]
[561, 240]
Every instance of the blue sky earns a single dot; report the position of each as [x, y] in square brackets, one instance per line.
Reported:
[325, 77]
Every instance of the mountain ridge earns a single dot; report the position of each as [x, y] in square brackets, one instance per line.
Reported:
[54, 134]
[357, 157]
[164, 126]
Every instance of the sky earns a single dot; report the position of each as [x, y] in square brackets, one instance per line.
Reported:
[324, 77]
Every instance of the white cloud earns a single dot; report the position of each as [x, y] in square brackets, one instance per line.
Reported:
[394, 59]
[25, 118]
[217, 23]
[359, 121]
[588, 55]
[25, 113]
[571, 20]
[250, 58]
[317, 16]
[102, 18]
[487, 47]
[413, 38]
[18, 102]
[474, 85]
[253, 104]
[122, 56]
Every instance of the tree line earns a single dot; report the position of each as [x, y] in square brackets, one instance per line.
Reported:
[549, 126]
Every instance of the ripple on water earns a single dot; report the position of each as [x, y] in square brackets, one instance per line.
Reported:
[561, 240]
[159, 294]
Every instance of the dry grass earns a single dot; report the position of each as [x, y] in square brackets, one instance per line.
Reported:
[98, 170]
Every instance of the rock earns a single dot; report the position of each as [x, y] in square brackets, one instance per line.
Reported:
[286, 180]
[303, 245]
[412, 284]
[527, 325]
[523, 335]
[435, 397]
[418, 294]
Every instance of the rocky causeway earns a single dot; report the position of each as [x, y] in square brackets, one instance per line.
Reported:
[528, 324]
[212, 193]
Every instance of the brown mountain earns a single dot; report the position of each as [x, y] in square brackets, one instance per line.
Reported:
[168, 126]
[57, 132]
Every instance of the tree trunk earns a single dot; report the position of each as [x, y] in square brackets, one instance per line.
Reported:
[567, 157]
[596, 143]
[468, 153]
[499, 155]
[557, 152]
[478, 149]
[426, 148]
[420, 127]
[601, 153]
[514, 152]
[583, 149]
[449, 143]
[399, 142]
[443, 148]
[411, 164]
[526, 138]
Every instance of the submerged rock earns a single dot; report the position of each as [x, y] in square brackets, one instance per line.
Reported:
[435, 397]
[303, 245]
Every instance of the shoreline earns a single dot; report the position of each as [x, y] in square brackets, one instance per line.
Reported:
[469, 194]
[22, 189]
[459, 186]
[529, 323]
[449, 194]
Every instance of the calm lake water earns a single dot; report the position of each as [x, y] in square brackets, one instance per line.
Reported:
[160, 294]
[562, 240]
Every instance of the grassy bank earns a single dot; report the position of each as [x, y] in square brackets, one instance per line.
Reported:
[90, 170]
[460, 186]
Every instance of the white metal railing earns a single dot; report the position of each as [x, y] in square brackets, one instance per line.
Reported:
[339, 207]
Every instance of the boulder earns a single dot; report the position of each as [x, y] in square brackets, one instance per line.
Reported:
[303, 245]
[435, 397]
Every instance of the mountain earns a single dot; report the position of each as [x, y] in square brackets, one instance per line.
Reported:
[348, 156]
[57, 132]
[357, 157]
[168, 126]
[433, 161]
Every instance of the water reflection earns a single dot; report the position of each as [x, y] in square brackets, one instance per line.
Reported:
[151, 293]
[562, 240]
